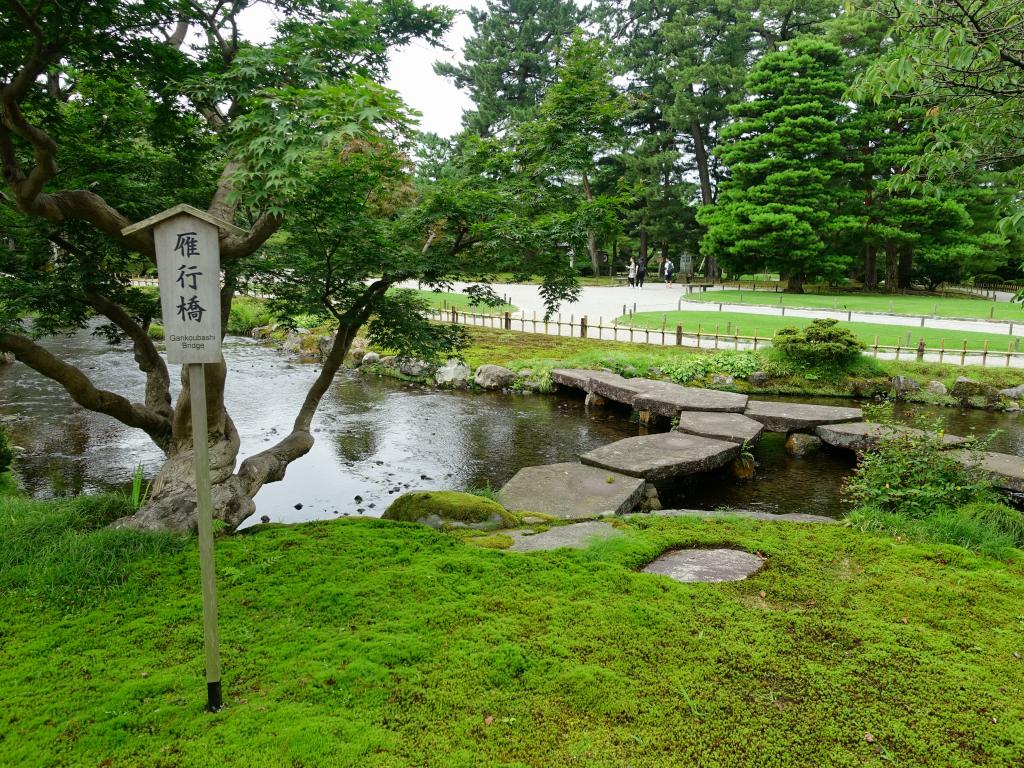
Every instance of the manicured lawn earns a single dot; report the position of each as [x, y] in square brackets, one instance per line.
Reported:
[766, 326]
[903, 305]
[461, 300]
[367, 643]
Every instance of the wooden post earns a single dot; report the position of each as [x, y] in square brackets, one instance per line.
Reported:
[984, 353]
[942, 349]
[876, 347]
[920, 350]
[963, 354]
[204, 508]
[508, 321]
[679, 335]
[583, 327]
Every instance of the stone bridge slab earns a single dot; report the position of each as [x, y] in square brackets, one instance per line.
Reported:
[862, 436]
[798, 417]
[662, 456]
[575, 536]
[733, 427]
[571, 491]
[667, 399]
[1005, 471]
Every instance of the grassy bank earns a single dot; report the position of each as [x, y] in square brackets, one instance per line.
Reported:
[941, 306]
[868, 376]
[368, 643]
[742, 324]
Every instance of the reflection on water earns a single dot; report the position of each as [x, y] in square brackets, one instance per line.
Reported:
[377, 437]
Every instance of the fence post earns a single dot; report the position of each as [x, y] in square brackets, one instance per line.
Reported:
[1009, 349]
[920, 350]
[583, 326]
[508, 321]
[876, 347]
[942, 349]
[679, 335]
[963, 354]
[984, 353]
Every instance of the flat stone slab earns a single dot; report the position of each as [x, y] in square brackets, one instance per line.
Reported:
[662, 456]
[798, 417]
[709, 566]
[862, 436]
[733, 427]
[1005, 471]
[575, 536]
[619, 389]
[712, 514]
[667, 399]
[579, 378]
[571, 491]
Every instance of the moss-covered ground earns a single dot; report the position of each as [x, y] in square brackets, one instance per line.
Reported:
[373, 643]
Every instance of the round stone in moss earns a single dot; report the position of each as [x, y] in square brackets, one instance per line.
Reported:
[449, 509]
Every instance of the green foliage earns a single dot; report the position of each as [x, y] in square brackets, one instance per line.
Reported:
[1000, 517]
[788, 194]
[821, 342]
[689, 368]
[247, 314]
[448, 505]
[914, 476]
[139, 491]
[6, 450]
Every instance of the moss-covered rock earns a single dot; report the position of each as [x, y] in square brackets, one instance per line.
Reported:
[449, 509]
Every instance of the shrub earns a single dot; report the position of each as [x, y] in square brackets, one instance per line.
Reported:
[822, 342]
[6, 451]
[247, 314]
[694, 367]
[913, 476]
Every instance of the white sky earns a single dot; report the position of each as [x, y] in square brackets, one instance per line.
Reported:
[412, 72]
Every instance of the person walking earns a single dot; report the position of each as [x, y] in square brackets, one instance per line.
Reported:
[631, 273]
[670, 269]
[641, 272]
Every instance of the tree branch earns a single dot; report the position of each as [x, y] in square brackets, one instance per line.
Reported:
[84, 392]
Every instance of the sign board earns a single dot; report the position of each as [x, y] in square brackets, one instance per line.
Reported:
[188, 263]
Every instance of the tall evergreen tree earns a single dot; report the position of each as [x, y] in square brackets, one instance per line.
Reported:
[788, 193]
[510, 60]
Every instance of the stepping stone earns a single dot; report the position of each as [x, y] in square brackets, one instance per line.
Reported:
[620, 389]
[662, 456]
[712, 514]
[576, 378]
[571, 491]
[733, 427]
[862, 436]
[667, 399]
[1005, 471]
[706, 565]
[575, 536]
[798, 417]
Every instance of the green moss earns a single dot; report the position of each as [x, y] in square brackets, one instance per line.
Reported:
[483, 539]
[366, 643]
[448, 505]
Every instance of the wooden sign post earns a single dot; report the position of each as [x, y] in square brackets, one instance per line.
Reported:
[188, 266]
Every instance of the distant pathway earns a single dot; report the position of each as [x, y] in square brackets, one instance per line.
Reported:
[607, 303]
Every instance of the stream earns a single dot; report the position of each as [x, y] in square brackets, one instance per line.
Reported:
[378, 437]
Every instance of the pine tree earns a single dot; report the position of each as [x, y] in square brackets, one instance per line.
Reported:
[510, 60]
[789, 192]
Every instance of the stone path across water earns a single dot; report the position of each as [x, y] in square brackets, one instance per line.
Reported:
[662, 456]
[862, 436]
[734, 427]
[571, 491]
[1005, 471]
[798, 417]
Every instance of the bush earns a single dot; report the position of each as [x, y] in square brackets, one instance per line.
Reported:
[696, 367]
[247, 314]
[823, 342]
[6, 451]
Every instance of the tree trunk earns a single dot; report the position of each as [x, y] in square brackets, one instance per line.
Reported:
[892, 263]
[906, 263]
[643, 246]
[711, 268]
[595, 262]
[870, 268]
[794, 283]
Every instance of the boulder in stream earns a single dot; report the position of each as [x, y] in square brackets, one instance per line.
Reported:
[454, 374]
[494, 377]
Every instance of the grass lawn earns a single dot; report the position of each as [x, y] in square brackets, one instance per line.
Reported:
[902, 305]
[767, 325]
[460, 300]
[368, 643]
